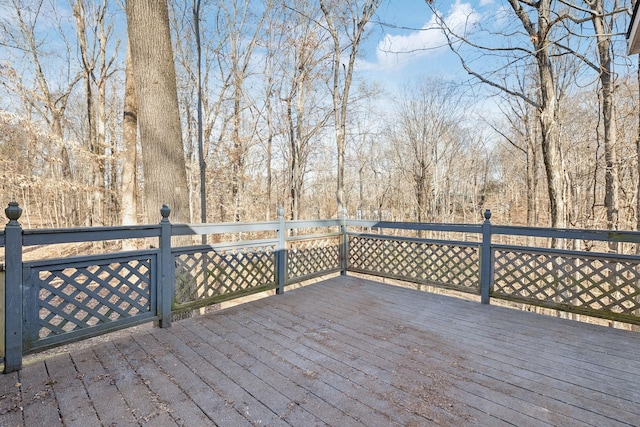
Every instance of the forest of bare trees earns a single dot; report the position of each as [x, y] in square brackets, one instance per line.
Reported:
[229, 109]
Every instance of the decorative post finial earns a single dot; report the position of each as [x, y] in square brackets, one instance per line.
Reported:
[165, 211]
[487, 214]
[13, 212]
[280, 212]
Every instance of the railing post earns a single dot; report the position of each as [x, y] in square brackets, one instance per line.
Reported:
[344, 243]
[167, 279]
[281, 253]
[486, 267]
[13, 290]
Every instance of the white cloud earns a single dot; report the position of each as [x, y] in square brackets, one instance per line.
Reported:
[502, 14]
[396, 51]
[485, 2]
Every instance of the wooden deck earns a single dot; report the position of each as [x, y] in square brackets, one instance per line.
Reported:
[343, 352]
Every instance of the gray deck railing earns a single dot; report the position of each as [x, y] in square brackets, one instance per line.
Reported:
[55, 301]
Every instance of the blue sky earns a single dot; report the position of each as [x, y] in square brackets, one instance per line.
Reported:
[411, 45]
[405, 43]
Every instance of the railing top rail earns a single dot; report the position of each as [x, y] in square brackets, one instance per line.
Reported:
[416, 239]
[223, 227]
[312, 237]
[33, 237]
[290, 225]
[461, 228]
[567, 252]
[81, 259]
[225, 246]
[564, 233]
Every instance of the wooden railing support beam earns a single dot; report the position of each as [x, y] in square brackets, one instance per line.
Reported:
[486, 264]
[13, 290]
[166, 283]
[281, 253]
[344, 243]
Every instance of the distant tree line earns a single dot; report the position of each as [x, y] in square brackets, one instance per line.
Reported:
[229, 109]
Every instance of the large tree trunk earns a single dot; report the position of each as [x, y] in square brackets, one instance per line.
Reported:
[551, 149]
[539, 34]
[165, 177]
[611, 197]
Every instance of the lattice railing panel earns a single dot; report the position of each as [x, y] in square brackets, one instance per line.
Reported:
[207, 275]
[308, 258]
[78, 297]
[446, 264]
[593, 283]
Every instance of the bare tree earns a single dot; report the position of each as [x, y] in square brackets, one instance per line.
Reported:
[429, 114]
[242, 44]
[204, 79]
[48, 95]
[230, 31]
[50, 104]
[93, 35]
[129, 202]
[537, 20]
[197, 7]
[347, 23]
[522, 132]
[165, 179]
[556, 31]
[302, 55]
[604, 29]
[638, 157]
[271, 42]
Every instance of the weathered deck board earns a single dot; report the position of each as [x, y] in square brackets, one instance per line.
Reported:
[130, 385]
[502, 369]
[342, 352]
[74, 405]
[99, 384]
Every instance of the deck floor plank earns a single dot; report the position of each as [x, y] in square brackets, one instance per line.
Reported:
[74, 403]
[131, 384]
[38, 400]
[109, 404]
[184, 411]
[324, 368]
[221, 399]
[479, 349]
[250, 373]
[427, 368]
[581, 377]
[272, 369]
[11, 400]
[316, 378]
[380, 386]
[345, 351]
[529, 330]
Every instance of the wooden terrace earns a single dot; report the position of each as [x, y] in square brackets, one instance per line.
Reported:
[342, 352]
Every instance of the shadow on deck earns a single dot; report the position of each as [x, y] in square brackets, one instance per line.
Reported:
[342, 352]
